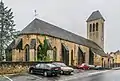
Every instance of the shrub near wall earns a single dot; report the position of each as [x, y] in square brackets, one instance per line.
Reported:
[15, 67]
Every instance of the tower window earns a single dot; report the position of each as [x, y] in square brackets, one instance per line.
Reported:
[96, 26]
[102, 27]
[93, 27]
[90, 27]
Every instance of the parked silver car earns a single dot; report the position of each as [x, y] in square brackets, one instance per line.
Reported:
[91, 66]
[64, 68]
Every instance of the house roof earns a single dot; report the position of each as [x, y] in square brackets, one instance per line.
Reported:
[100, 52]
[95, 15]
[41, 27]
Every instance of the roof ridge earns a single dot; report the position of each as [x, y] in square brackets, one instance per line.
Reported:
[38, 26]
[95, 15]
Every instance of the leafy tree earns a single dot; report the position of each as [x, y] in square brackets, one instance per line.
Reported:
[42, 53]
[7, 31]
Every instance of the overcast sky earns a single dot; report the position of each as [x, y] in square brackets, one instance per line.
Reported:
[70, 15]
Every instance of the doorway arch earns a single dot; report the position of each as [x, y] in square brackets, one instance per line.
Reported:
[54, 54]
[81, 56]
[91, 57]
[65, 54]
[27, 52]
[39, 56]
[72, 60]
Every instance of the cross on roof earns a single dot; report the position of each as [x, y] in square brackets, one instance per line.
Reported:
[35, 13]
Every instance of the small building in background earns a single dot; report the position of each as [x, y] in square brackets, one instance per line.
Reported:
[116, 58]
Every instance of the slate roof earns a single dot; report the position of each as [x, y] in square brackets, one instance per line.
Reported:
[95, 15]
[41, 27]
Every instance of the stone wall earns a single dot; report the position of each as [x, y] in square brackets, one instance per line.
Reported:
[19, 55]
[15, 67]
[22, 67]
[96, 36]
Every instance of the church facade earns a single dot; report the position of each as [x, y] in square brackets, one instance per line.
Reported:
[63, 45]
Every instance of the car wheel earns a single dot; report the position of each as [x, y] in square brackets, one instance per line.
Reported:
[69, 73]
[61, 72]
[45, 74]
[56, 74]
[31, 71]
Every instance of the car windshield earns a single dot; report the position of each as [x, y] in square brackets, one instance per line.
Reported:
[50, 65]
[60, 64]
[84, 64]
[38, 65]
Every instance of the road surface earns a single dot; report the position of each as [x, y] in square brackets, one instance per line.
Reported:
[113, 75]
[106, 75]
[5, 78]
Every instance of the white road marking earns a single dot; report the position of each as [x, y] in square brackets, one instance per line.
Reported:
[87, 75]
[94, 73]
[7, 78]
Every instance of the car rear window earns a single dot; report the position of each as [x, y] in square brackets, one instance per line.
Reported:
[60, 64]
[50, 65]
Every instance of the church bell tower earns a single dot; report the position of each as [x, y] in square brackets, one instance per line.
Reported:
[95, 28]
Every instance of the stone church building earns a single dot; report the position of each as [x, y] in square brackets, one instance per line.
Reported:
[64, 46]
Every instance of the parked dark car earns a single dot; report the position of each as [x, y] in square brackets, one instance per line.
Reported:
[45, 69]
[64, 68]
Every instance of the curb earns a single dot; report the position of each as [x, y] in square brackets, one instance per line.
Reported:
[12, 74]
[116, 68]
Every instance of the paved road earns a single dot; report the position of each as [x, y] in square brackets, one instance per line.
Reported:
[29, 77]
[4, 78]
[113, 75]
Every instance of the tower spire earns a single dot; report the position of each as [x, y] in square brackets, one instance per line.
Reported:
[95, 16]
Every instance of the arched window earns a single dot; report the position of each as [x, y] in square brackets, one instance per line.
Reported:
[93, 27]
[102, 62]
[90, 27]
[102, 27]
[96, 26]
[54, 54]
[39, 55]
[72, 60]
[27, 53]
